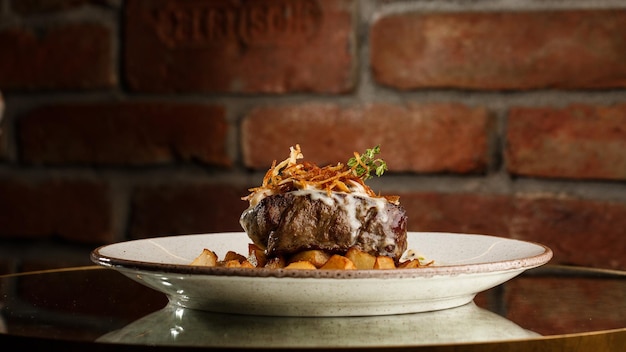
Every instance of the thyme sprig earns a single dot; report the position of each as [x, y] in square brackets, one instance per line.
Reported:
[363, 164]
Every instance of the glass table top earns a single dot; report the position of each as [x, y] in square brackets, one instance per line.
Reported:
[99, 308]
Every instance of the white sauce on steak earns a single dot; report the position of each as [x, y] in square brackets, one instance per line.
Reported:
[348, 202]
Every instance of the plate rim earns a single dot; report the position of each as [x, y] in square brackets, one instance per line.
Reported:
[517, 264]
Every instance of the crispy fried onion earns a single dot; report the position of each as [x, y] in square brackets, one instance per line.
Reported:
[290, 175]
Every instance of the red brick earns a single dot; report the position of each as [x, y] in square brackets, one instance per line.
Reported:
[186, 209]
[463, 213]
[579, 231]
[240, 47]
[76, 210]
[501, 50]
[566, 305]
[413, 137]
[582, 232]
[126, 133]
[27, 7]
[66, 57]
[579, 141]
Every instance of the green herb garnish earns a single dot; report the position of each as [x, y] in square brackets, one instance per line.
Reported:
[364, 163]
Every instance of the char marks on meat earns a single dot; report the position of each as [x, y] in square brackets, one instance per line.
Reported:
[295, 221]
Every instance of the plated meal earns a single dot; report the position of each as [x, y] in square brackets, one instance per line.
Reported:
[308, 217]
[319, 242]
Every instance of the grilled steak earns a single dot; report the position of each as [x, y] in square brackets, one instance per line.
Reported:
[290, 222]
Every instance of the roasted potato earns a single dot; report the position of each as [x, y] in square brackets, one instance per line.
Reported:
[234, 256]
[301, 264]
[337, 261]
[206, 258]
[234, 263]
[410, 264]
[383, 262]
[256, 256]
[314, 256]
[361, 260]
[276, 263]
[231, 263]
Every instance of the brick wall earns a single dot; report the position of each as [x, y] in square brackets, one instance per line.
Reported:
[132, 119]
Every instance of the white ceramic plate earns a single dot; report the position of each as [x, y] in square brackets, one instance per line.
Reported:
[465, 265]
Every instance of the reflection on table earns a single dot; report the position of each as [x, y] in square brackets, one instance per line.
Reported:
[177, 325]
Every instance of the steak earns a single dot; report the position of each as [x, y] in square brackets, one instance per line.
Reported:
[288, 223]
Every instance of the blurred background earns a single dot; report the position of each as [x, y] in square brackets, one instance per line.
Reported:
[133, 119]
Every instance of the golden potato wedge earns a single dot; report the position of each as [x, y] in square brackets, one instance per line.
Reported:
[361, 260]
[301, 264]
[257, 257]
[247, 264]
[233, 263]
[253, 247]
[206, 258]
[314, 256]
[340, 262]
[234, 256]
[276, 263]
[410, 264]
[383, 262]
